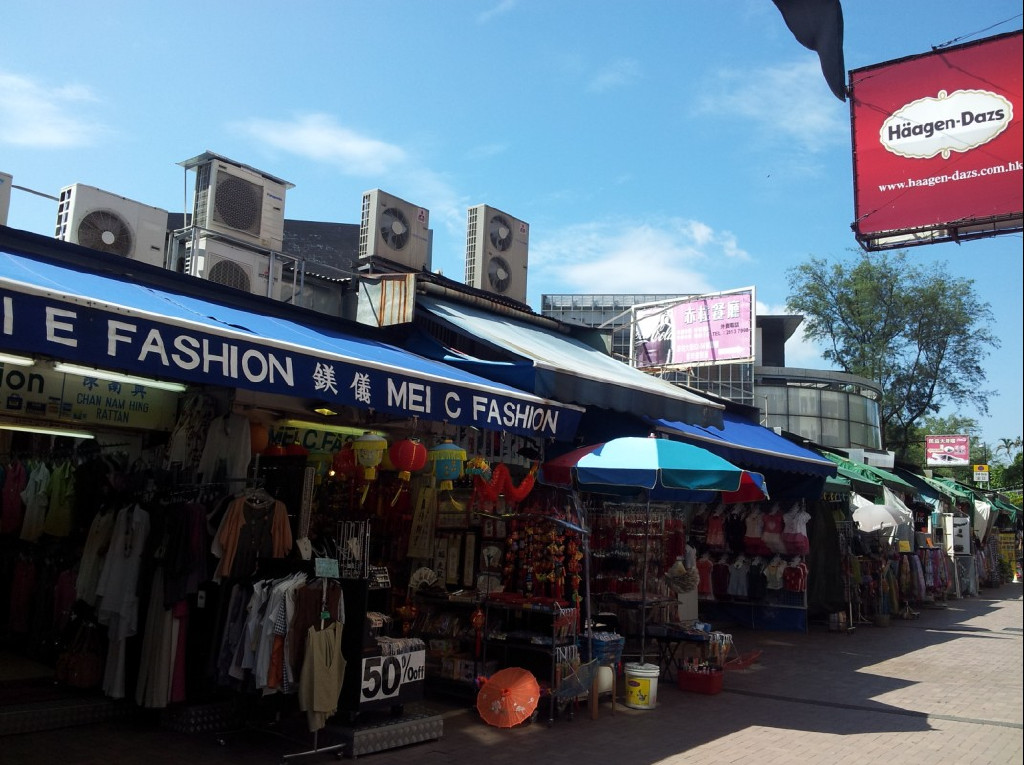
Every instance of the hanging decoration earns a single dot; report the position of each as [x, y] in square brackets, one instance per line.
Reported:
[343, 464]
[447, 459]
[408, 456]
[259, 436]
[477, 620]
[369, 449]
[500, 482]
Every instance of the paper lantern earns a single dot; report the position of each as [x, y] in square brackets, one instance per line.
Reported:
[408, 456]
[343, 464]
[259, 437]
[447, 459]
[295, 449]
[369, 449]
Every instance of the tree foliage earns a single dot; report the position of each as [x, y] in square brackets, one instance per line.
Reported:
[918, 332]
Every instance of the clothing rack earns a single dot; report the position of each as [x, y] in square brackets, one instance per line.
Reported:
[221, 737]
[317, 749]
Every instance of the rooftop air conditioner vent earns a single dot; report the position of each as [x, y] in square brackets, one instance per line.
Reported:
[238, 202]
[110, 223]
[396, 230]
[496, 252]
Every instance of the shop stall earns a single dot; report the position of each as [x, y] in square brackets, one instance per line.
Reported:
[221, 493]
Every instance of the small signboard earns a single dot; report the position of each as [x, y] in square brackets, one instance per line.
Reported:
[981, 473]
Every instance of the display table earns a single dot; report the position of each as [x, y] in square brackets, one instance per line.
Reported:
[678, 644]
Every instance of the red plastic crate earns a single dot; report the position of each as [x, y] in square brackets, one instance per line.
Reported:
[708, 683]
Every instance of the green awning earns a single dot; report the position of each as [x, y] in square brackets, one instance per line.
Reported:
[874, 474]
[923, 488]
[1001, 504]
[860, 483]
[951, 489]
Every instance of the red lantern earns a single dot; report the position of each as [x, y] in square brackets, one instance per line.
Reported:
[343, 465]
[408, 456]
[259, 437]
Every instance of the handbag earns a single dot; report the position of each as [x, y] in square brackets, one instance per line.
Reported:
[82, 664]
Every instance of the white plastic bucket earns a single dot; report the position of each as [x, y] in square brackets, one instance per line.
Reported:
[642, 685]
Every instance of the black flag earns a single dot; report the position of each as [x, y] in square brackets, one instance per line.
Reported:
[818, 25]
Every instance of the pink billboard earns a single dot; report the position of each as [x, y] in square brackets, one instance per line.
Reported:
[937, 145]
[706, 329]
[947, 451]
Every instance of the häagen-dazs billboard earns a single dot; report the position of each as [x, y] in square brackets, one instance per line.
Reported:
[937, 145]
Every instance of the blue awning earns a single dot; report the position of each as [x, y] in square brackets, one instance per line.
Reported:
[560, 367]
[74, 313]
[752, 445]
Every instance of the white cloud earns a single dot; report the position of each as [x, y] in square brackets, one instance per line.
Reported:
[499, 9]
[320, 138]
[34, 116]
[486, 151]
[616, 74]
[677, 256]
[789, 102]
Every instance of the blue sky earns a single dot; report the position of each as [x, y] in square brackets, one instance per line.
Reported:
[651, 146]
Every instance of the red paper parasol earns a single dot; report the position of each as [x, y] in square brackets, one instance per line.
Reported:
[508, 697]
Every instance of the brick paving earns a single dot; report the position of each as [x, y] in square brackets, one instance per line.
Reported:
[943, 688]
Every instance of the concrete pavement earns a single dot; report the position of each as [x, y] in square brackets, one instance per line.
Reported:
[943, 688]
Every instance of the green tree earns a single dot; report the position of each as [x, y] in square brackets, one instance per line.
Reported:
[918, 332]
[1010, 447]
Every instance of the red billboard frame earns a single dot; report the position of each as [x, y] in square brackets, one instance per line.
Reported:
[937, 145]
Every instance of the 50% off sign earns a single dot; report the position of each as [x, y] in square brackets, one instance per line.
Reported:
[384, 676]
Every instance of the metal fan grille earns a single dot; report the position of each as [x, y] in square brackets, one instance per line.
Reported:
[103, 230]
[500, 233]
[394, 228]
[499, 274]
[238, 204]
[230, 274]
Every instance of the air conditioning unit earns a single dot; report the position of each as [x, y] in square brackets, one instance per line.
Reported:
[6, 179]
[107, 222]
[238, 201]
[244, 269]
[496, 252]
[394, 229]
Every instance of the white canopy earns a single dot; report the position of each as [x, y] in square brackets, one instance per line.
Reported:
[872, 517]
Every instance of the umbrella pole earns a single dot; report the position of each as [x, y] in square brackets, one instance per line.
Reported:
[643, 592]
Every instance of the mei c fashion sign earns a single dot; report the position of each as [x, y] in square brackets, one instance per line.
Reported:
[157, 347]
[937, 145]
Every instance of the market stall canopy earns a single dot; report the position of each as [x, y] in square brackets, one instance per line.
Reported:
[873, 516]
[951, 489]
[925, 491]
[73, 312]
[654, 463]
[557, 366]
[561, 472]
[873, 473]
[741, 441]
[1004, 506]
